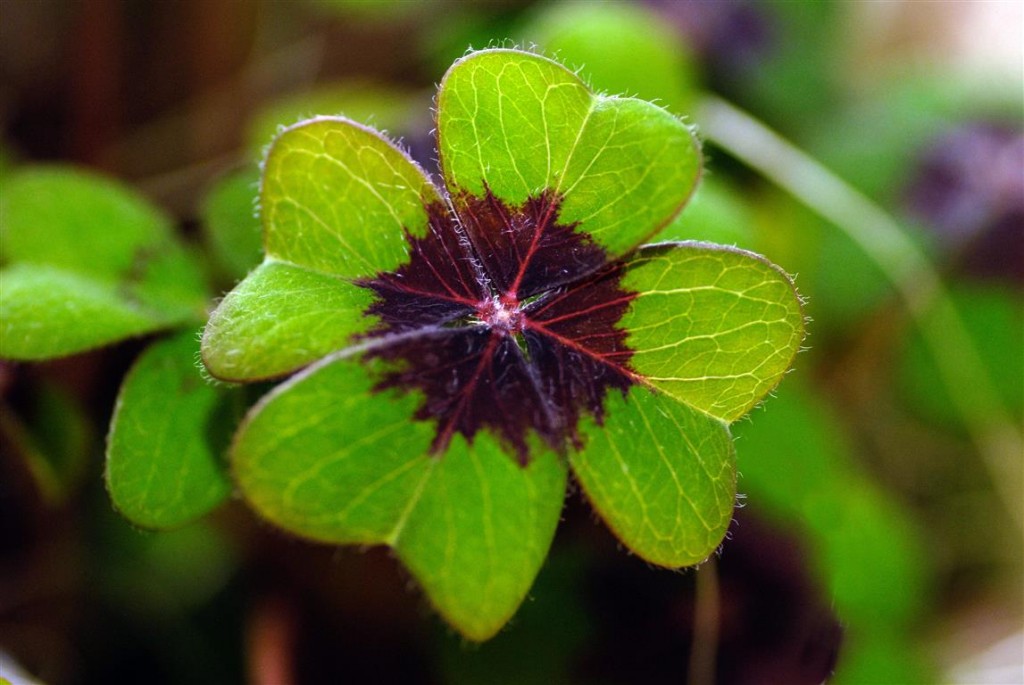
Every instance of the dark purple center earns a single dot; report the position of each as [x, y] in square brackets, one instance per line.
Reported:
[503, 319]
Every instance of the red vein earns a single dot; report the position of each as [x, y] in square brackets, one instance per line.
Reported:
[572, 344]
[581, 312]
[458, 299]
[444, 245]
[537, 233]
[444, 436]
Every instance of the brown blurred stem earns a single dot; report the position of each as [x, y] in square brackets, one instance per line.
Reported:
[704, 650]
[270, 643]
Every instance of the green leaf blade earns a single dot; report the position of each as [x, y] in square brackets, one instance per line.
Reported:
[328, 459]
[480, 531]
[230, 225]
[279, 319]
[508, 120]
[735, 327]
[337, 198]
[633, 168]
[77, 221]
[47, 312]
[519, 124]
[661, 475]
[323, 458]
[164, 467]
[90, 262]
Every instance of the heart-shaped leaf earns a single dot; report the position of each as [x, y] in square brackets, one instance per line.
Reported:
[336, 203]
[712, 326]
[89, 264]
[337, 198]
[279, 319]
[167, 438]
[521, 125]
[325, 457]
[661, 475]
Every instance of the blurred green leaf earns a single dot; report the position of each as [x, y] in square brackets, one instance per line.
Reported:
[841, 282]
[880, 654]
[797, 466]
[47, 312]
[718, 213]
[619, 49]
[385, 107]
[797, 78]
[157, 576]
[995, 321]
[89, 263]
[230, 225]
[168, 437]
[875, 142]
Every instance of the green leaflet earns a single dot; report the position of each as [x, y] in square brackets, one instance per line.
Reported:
[480, 531]
[995, 321]
[325, 457]
[90, 263]
[712, 326]
[336, 198]
[280, 318]
[520, 124]
[661, 475]
[47, 312]
[167, 438]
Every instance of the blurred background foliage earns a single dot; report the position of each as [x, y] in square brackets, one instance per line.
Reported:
[875, 536]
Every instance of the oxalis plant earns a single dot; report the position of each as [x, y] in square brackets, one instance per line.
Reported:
[452, 352]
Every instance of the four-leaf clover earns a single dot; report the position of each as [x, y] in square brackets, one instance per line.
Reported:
[462, 349]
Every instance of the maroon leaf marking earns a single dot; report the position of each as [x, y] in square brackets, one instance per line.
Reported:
[530, 309]
[523, 250]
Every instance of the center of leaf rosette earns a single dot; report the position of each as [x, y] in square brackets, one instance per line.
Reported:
[503, 319]
[501, 315]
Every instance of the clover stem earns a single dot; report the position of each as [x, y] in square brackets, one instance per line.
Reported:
[706, 616]
[906, 266]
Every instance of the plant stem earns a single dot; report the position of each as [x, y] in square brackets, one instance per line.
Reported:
[992, 429]
[706, 614]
